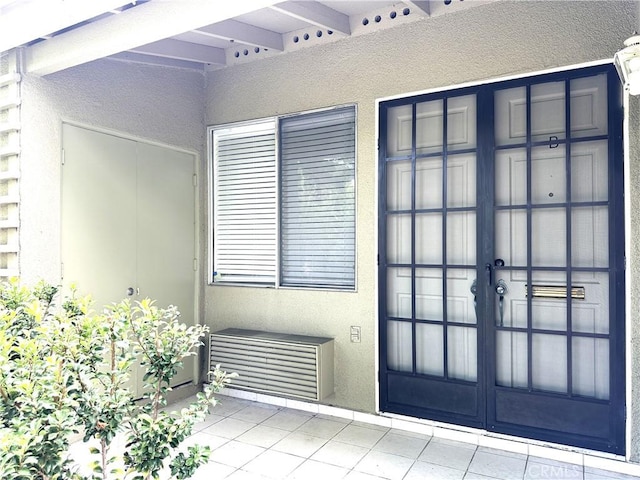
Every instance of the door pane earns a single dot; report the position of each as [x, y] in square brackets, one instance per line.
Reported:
[591, 315]
[461, 238]
[511, 237]
[590, 237]
[428, 238]
[514, 309]
[398, 186]
[429, 349]
[461, 180]
[461, 122]
[511, 177]
[399, 346]
[548, 111]
[399, 238]
[462, 353]
[549, 313]
[549, 357]
[548, 237]
[589, 106]
[460, 306]
[429, 294]
[399, 124]
[511, 359]
[510, 116]
[399, 292]
[590, 171]
[590, 367]
[429, 127]
[548, 175]
[429, 183]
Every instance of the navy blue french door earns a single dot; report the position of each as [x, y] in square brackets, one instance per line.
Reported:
[501, 270]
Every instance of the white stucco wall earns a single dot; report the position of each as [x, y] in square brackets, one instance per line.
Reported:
[150, 103]
[487, 42]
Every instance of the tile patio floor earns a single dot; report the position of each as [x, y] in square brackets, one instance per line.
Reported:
[256, 441]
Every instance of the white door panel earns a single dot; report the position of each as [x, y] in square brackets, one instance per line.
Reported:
[128, 213]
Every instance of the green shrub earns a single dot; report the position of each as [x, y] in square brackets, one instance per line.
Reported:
[65, 370]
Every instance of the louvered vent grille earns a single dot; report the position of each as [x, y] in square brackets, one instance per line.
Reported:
[288, 365]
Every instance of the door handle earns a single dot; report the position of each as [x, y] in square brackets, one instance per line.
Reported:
[501, 290]
[487, 273]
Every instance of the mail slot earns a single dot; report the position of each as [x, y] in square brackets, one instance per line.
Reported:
[555, 291]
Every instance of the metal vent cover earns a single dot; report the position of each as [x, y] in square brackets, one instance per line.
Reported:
[282, 364]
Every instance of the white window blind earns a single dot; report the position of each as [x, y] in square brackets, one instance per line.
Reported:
[245, 203]
[317, 174]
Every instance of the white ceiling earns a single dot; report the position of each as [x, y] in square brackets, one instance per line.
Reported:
[198, 34]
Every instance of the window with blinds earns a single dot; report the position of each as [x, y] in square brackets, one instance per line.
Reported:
[317, 204]
[292, 222]
[245, 203]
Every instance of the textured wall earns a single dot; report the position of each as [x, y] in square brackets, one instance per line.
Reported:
[158, 104]
[486, 42]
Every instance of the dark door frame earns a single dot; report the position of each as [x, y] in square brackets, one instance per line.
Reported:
[477, 405]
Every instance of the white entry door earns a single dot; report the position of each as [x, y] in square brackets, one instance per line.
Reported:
[128, 224]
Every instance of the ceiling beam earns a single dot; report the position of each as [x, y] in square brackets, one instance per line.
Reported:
[316, 14]
[423, 5]
[243, 33]
[144, 24]
[153, 60]
[25, 21]
[179, 50]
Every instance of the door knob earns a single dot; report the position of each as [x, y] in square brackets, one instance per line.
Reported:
[501, 287]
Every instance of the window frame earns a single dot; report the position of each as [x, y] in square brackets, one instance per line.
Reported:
[278, 247]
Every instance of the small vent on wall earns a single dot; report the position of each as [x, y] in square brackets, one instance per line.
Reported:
[289, 365]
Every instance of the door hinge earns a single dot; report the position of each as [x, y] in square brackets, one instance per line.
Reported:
[63, 158]
[195, 179]
[195, 264]
[378, 259]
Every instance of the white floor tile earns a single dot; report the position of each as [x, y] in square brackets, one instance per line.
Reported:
[386, 465]
[255, 413]
[209, 420]
[287, 420]
[204, 439]
[422, 470]
[263, 436]
[235, 454]
[229, 428]
[320, 427]
[244, 475]
[213, 471]
[498, 466]
[400, 444]
[591, 473]
[448, 454]
[271, 464]
[312, 470]
[354, 475]
[300, 444]
[360, 436]
[340, 454]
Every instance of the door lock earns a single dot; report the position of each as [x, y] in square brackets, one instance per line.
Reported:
[130, 291]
